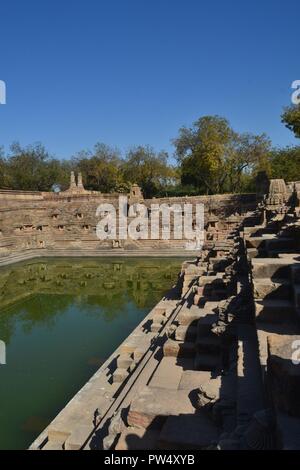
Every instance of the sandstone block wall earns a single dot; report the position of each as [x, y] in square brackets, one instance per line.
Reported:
[40, 223]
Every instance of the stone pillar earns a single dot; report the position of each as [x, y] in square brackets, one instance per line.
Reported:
[79, 182]
[72, 181]
[136, 194]
[277, 195]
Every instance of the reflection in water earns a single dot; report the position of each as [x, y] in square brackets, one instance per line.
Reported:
[60, 320]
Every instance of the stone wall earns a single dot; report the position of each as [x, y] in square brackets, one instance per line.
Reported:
[41, 223]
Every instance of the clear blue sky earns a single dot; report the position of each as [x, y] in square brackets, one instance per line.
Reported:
[130, 72]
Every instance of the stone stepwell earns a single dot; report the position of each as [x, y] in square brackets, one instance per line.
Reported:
[215, 365]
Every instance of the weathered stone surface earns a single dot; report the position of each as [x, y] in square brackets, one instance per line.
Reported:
[65, 221]
[133, 438]
[277, 194]
[208, 392]
[120, 375]
[160, 311]
[167, 375]
[192, 379]
[79, 436]
[188, 316]
[80, 410]
[284, 375]
[160, 319]
[186, 333]
[52, 445]
[116, 426]
[139, 353]
[156, 327]
[153, 405]
[129, 346]
[124, 361]
[274, 311]
[265, 288]
[274, 268]
[178, 349]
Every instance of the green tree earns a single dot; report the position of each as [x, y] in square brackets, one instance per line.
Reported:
[250, 154]
[3, 169]
[285, 163]
[58, 171]
[101, 168]
[216, 159]
[291, 119]
[202, 152]
[32, 168]
[150, 170]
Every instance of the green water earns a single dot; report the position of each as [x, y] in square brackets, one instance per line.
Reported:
[60, 320]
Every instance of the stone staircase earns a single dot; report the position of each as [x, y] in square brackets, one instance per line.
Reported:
[230, 384]
[187, 403]
[276, 293]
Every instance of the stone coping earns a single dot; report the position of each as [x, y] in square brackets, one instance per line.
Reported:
[120, 253]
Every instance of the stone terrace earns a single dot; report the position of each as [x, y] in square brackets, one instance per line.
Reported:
[36, 224]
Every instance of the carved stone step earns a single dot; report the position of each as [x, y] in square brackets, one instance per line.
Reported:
[153, 405]
[190, 316]
[274, 310]
[78, 437]
[120, 375]
[186, 333]
[272, 289]
[273, 268]
[269, 242]
[133, 438]
[124, 361]
[167, 375]
[192, 379]
[280, 243]
[178, 349]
